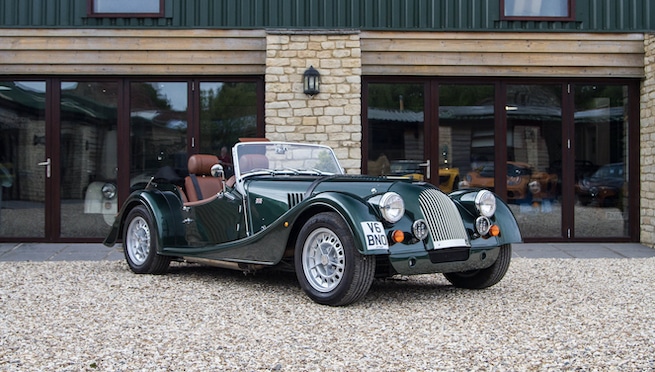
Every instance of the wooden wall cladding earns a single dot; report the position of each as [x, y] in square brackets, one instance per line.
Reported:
[503, 54]
[243, 52]
[132, 52]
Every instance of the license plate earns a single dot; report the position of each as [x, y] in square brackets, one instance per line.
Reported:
[376, 238]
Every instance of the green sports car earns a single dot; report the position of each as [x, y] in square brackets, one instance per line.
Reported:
[290, 206]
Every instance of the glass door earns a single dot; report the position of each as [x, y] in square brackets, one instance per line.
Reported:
[534, 158]
[601, 161]
[396, 136]
[159, 120]
[25, 164]
[466, 136]
[88, 193]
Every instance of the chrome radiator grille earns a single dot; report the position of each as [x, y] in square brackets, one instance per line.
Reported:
[443, 219]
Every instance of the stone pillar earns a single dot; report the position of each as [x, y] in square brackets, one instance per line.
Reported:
[332, 117]
[647, 140]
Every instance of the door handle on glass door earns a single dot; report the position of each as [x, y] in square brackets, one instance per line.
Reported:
[427, 168]
[47, 165]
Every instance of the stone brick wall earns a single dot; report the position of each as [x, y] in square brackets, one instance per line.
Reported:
[647, 140]
[332, 117]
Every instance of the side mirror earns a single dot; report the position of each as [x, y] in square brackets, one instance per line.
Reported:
[217, 170]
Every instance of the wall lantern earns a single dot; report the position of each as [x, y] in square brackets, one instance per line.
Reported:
[311, 81]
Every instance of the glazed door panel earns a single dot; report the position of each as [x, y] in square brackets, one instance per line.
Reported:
[534, 158]
[88, 192]
[396, 131]
[466, 136]
[601, 161]
[25, 162]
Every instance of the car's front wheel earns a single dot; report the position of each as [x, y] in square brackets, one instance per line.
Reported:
[483, 278]
[329, 268]
[140, 244]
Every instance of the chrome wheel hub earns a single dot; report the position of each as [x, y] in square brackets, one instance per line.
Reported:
[323, 260]
[137, 240]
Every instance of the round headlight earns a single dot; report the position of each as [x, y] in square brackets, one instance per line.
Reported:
[482, 225]
[109, 190]
[392, 207]
[485, 203]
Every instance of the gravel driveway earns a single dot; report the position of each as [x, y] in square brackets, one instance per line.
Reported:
[547, 314]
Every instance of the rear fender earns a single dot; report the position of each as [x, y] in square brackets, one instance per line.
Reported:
[164, 206]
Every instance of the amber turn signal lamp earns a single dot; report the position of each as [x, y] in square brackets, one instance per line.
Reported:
[494, 230]
[397, 236]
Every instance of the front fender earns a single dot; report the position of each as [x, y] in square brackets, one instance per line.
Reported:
[353, 209]
[164, 207]
[504, 218]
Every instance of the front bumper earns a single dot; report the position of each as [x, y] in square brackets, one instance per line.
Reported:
[443, 260]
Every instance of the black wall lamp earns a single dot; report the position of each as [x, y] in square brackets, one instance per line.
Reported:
[311, 81]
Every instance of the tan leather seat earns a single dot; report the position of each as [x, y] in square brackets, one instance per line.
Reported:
[200, 184]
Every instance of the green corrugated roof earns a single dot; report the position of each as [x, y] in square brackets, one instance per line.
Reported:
[437, 15]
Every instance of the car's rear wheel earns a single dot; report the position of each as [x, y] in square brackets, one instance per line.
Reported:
[483, 278]
[329, 268]
[140, 244]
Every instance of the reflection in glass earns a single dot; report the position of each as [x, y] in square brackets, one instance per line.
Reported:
[228, 111]
[536, 8]
[601, 161]
[534, 146]
[22, 148]
[158, 129]
[395, 130]
[466, 136]
[88, 117]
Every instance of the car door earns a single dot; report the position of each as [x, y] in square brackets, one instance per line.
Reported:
[217, 221]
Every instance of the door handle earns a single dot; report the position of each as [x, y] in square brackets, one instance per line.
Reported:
[427, 168]
[47, 165]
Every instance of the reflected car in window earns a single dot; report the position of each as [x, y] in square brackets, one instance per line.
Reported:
[604, 188]
[448, 177]
[524, 184]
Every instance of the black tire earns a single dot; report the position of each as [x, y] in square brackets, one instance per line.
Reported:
[329, 268]
[140, 243]
[479, 279]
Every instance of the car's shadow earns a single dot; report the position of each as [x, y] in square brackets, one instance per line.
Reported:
[395, 289]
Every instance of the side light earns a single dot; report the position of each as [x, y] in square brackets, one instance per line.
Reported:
[485, 203]
[109, 190]
[420, 229]
[482, 225]
[494, 230]
[392, 207]
[397, 236]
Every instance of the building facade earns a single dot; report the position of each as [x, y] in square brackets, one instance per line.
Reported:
[548, 103]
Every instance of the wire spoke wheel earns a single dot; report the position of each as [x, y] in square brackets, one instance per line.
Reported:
[140, 243]
[137, 240]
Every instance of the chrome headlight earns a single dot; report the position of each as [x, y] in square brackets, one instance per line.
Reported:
[420, 229]
[485, 203]
[482, 225]
[392, 207]
[109, 190]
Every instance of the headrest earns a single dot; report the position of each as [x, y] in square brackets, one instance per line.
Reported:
[249, 162]
[201, 164]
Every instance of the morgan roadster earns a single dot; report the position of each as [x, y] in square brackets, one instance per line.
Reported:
[290, 206]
